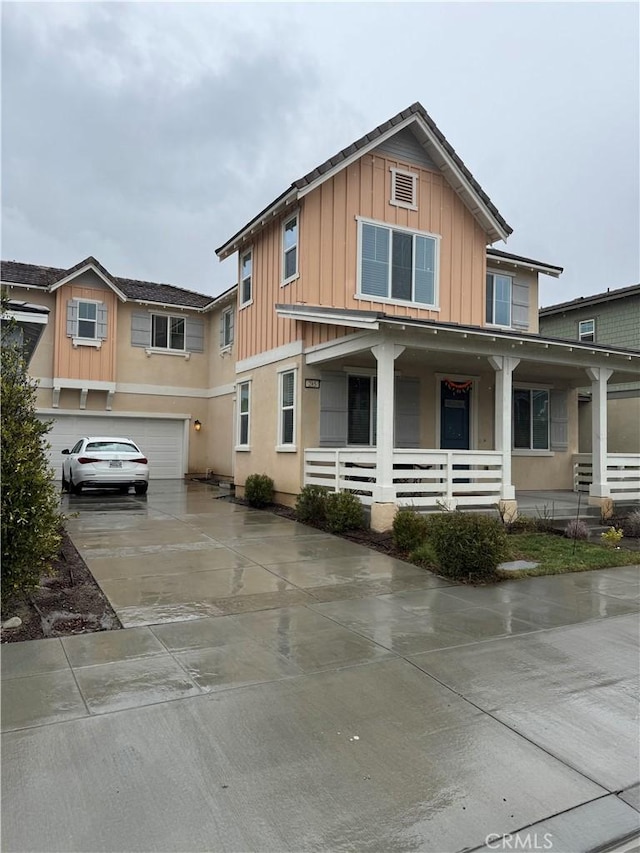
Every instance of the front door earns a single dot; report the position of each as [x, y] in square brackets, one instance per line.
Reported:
[455, 404]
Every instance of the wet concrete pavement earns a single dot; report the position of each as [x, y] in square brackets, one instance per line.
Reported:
[281, 689]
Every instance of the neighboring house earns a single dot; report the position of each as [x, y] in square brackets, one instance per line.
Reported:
[134, 358]
[24, 323]
[384, 347]
[611, 318]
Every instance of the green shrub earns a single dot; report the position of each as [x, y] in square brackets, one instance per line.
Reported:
[409, 530]
[523, 524]
[31, 520]
[343, 511]
[425, 556]
[467, 545]
[311, 505]
[258, 490]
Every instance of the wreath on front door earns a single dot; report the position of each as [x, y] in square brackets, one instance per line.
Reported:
[458, 387]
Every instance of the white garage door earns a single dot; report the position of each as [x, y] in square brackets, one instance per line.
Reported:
[160, 439]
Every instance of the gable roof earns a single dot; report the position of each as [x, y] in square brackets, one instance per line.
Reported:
[439, 149]
[50, 278]
[595, 299]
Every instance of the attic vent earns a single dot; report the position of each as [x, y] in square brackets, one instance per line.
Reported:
[404, 189]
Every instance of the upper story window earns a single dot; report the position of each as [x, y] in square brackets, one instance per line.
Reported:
[246, 278]
[226, 328]
[499, 299]
[530, 419]
[397, 265]
[86, 322]
[587, 330]
[87, 319]
[167, 332]
[290, 249]
[404, 189]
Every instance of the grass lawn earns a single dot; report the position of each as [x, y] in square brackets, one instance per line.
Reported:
[557, 554]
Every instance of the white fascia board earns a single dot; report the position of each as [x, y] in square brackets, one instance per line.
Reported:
[270, 356]
[552, 271]
[329, 319]
[228, 296]
[167, 306]
[100, 275]
[343, 347]
[27, 317]
[256, 225]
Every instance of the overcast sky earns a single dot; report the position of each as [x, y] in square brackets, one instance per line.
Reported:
[146, 134]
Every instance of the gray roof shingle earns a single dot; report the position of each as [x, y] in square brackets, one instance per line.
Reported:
[33, 275]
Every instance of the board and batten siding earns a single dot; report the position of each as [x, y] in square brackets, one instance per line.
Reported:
[85, 362]
[328, 247]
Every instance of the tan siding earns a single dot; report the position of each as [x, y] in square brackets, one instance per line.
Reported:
[85, 362]
[328, 248]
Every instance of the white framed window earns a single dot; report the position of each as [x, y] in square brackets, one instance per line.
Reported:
[530, 419]
[404, 189]
[499, 289]
[87, 319]
[167, 332]
[397, 264]
[246, 278]
[587, 330]
[290, 249]
[226, 328]
[244, 414]
[287, 409]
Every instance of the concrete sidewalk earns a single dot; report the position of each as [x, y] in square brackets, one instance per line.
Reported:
[341, 701]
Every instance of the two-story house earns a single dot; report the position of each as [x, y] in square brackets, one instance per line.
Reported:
[133, 358]
[384, 347]
[610, 318]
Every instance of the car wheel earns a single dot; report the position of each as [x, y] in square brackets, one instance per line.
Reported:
[65, 484]
[76, 488]
[141, 488]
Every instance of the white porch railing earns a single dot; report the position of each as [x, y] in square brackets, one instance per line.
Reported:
[421, 478]
[623, 474]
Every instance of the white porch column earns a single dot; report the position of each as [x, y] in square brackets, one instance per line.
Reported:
[385, 354]
[599, 377]
[504, 365]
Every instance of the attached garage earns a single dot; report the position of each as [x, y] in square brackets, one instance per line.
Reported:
[162, 439]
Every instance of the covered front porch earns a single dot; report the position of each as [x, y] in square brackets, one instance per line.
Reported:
[413, 413]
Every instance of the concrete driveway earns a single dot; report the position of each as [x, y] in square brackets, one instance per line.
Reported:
[280, 689]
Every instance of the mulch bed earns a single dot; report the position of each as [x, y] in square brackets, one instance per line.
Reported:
[68, 602]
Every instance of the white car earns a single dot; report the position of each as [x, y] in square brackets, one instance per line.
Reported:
[103, 462]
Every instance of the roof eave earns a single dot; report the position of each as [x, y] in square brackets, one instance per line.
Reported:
[269, 213]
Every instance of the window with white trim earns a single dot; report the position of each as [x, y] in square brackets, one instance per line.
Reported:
[397, 265]
[226, 328]
[499, 299]
[287, 396]
[404, 186]
[530, 419]
[87, 319]
[246, 277]
[290, 249]
[167, 332]
[244, 403]
[587, 330]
